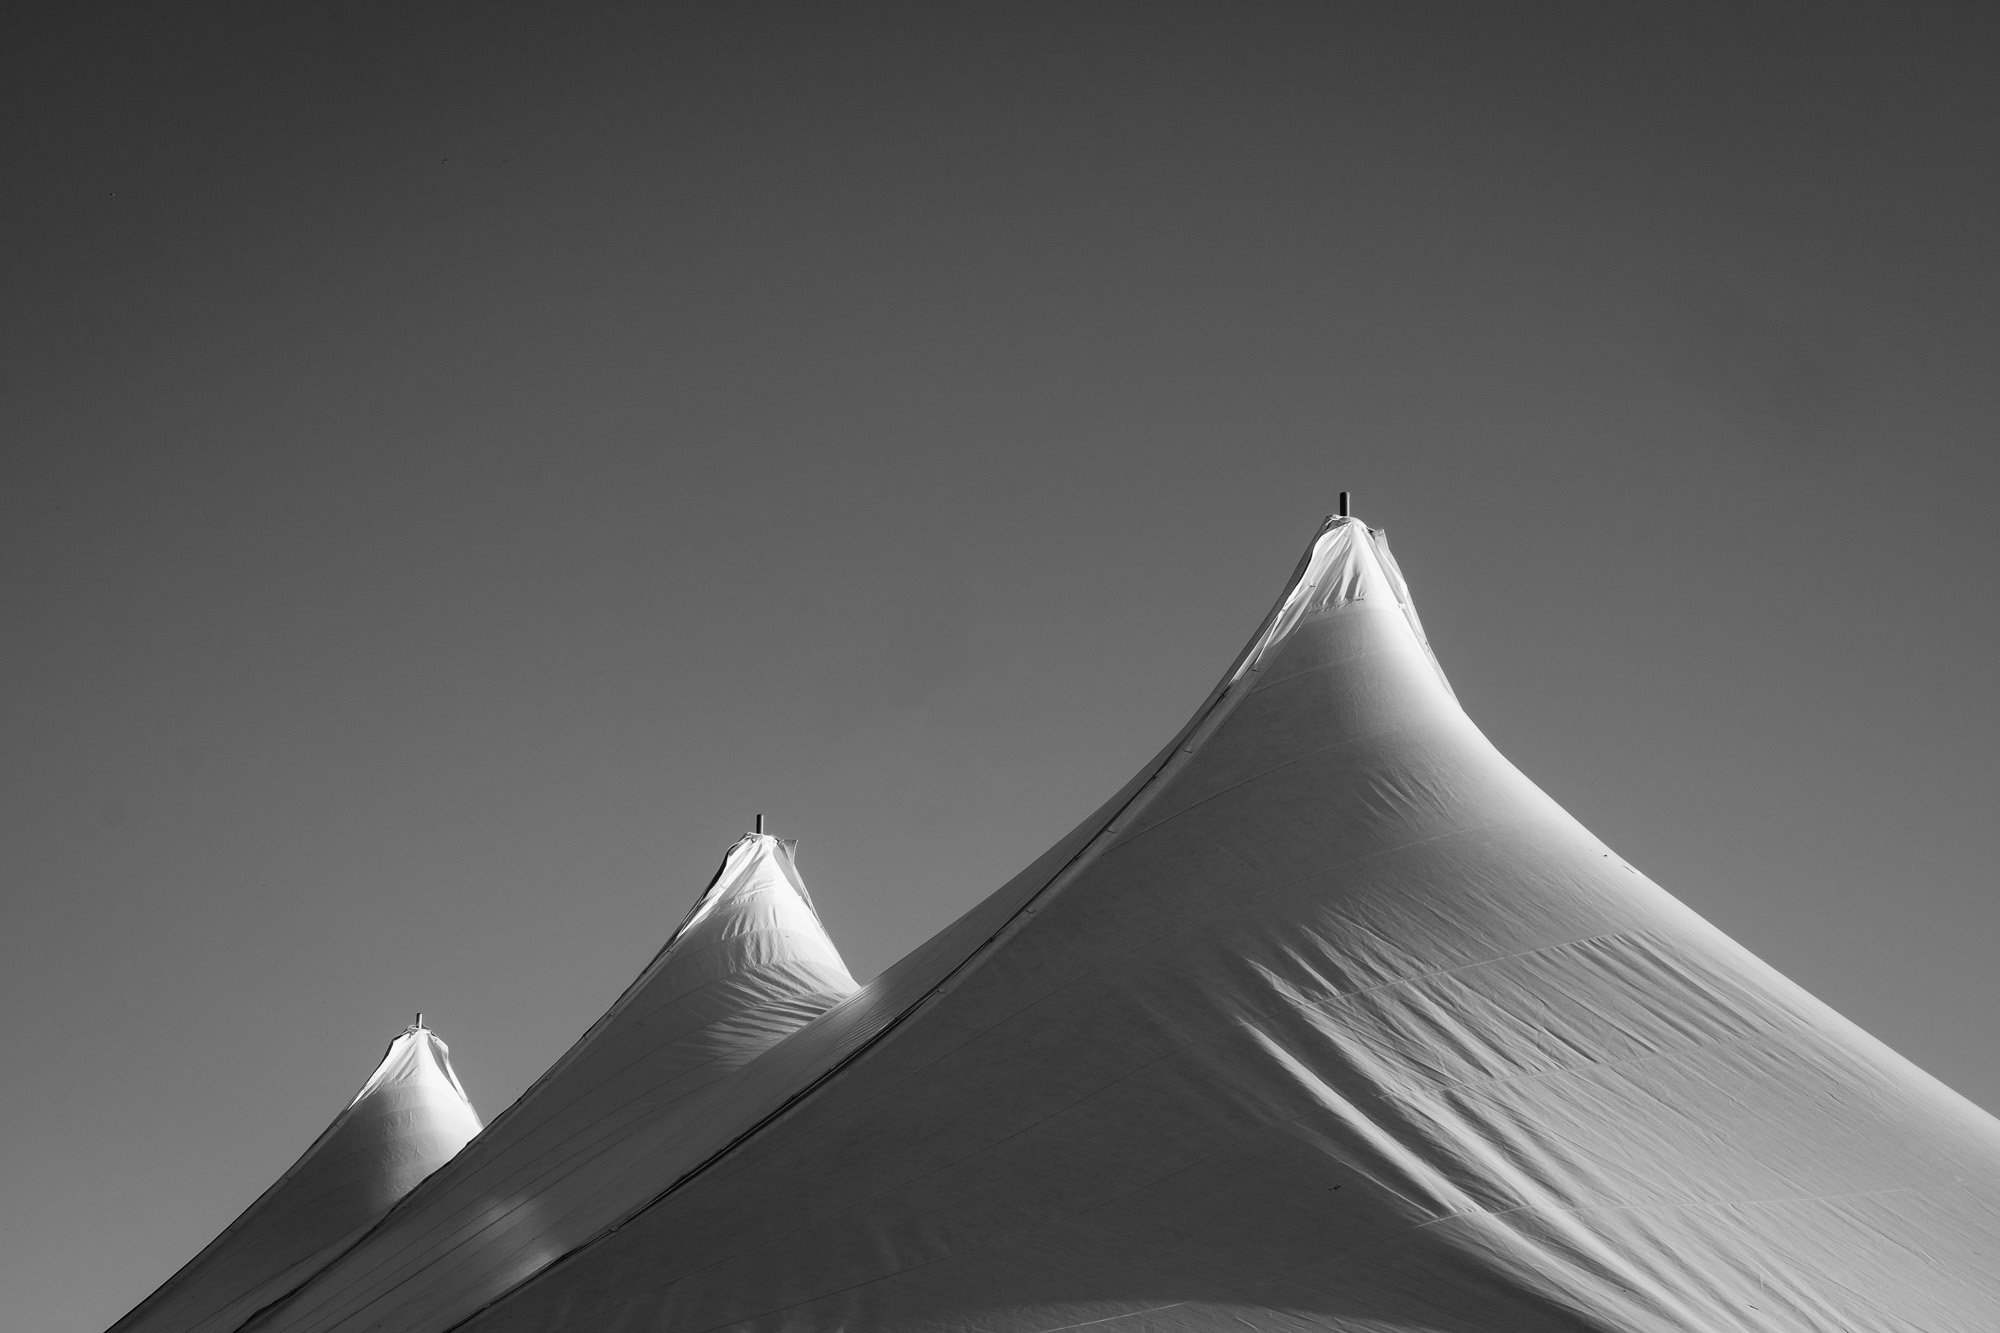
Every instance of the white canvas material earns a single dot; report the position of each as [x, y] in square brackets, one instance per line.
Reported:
[409, 1118]
[1330, 1020]
[750, 964]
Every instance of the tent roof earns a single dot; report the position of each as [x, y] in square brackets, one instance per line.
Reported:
[407, 1120]
[1330, 1020]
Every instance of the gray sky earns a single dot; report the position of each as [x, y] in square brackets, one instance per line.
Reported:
[461, 464]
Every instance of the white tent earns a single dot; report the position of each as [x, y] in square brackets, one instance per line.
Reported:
[1330, 1020]
[409, 1118]
[750, 964]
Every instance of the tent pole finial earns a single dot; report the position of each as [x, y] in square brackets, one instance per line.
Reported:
[760, 825]
[1343, 504]
[420, 1019]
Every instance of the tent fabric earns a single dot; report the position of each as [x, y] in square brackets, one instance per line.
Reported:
[1331, 1020]
[409, 1118]
[749, 965]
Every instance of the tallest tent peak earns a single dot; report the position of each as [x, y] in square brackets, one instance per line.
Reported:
[1348, 562]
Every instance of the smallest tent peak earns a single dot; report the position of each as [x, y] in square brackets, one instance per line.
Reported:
[611, 1124]
[410, 1117]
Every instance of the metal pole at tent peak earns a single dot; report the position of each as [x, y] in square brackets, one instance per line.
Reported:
[760, 825]
[1342, 512]
[420, 1019]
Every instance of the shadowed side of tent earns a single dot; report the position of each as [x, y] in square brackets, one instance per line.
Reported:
[1331, 1020]
[409, 1118]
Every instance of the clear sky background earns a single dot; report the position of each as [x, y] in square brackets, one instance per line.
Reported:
[462, 462]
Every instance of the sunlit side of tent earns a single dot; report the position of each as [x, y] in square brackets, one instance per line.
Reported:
[1331, 1020]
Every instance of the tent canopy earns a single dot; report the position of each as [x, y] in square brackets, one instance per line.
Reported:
[1329, 1020]
[409, 1118]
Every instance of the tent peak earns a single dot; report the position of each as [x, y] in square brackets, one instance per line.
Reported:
[410, 1117]
[1346, 563]
[758, 841]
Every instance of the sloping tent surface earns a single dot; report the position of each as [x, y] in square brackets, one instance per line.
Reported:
[750, 964]
[409, 1118]
[1330, 1020]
